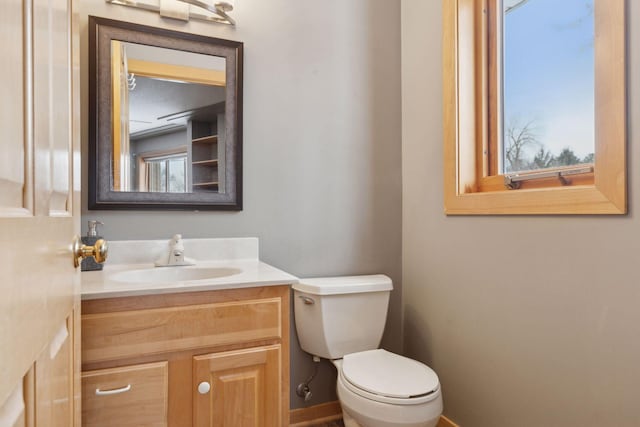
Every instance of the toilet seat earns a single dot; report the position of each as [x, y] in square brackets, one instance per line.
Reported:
[388, 378]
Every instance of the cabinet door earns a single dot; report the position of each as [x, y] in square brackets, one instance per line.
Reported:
[238, 388]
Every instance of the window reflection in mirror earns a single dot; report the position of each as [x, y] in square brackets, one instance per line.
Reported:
[170, 135]
[162, 171]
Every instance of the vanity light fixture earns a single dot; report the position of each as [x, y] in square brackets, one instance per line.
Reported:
[185, 9]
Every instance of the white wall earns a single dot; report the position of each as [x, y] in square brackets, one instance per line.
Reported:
[322, 180]
[529, 321]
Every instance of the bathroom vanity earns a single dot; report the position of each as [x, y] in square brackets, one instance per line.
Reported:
[181, 352]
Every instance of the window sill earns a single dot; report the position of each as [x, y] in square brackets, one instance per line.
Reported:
[565, 200]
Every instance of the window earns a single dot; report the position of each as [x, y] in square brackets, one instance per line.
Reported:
[548, 84]
[534, 106]
[163, 172]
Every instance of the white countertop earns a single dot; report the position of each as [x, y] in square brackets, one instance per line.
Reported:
[253, 272]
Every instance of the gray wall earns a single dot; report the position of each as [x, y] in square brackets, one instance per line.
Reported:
[322, 179]
[529, 321]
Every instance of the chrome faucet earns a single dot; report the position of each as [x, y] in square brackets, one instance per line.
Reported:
[175, 256]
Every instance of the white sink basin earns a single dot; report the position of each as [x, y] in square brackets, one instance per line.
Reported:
[173, 274]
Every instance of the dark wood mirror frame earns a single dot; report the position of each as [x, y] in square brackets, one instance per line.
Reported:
[101, 195]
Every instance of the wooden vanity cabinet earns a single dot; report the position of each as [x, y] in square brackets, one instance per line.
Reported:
[212, 358]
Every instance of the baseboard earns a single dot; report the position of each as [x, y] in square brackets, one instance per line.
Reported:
[446, 422]
[314, 415]
[331, 411]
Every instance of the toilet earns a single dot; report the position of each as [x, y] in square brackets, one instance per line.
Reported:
[342, 319]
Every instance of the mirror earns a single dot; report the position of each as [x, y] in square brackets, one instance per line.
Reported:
[165, 119]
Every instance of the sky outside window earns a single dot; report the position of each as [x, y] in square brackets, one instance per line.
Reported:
[548, 84]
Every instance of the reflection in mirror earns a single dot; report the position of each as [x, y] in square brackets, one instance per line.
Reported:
[170, 136]
[165, 119]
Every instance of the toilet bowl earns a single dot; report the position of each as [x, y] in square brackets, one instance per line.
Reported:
[342, 319]
[381, 389]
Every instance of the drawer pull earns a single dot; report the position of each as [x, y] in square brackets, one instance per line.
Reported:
[113, 391]
[204, 387]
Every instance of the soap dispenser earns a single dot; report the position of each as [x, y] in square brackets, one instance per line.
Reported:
[89, 263]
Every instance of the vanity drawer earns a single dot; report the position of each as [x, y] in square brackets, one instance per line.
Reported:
[126, 396]
[117, 335]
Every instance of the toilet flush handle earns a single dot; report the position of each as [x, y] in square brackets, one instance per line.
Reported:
[307, 300]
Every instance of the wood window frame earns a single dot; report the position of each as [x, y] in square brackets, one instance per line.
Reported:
[472, 185]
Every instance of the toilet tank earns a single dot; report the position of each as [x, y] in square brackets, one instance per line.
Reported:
[335, 316]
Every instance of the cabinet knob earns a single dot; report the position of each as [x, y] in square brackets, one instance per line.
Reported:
[204, 387]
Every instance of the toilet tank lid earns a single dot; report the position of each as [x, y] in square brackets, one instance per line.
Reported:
[344, 284]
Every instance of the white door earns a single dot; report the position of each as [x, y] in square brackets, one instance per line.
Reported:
[39, 210]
